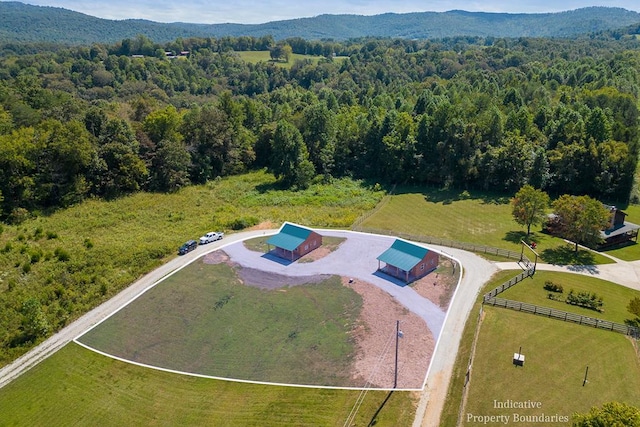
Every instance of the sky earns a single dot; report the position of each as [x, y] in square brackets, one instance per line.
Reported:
[256, 12]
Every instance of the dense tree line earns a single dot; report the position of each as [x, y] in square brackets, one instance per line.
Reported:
[492, 114]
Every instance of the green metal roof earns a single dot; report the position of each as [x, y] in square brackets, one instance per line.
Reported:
[289, 237]
[403, 255]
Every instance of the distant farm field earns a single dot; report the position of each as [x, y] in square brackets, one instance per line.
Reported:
[255, 56]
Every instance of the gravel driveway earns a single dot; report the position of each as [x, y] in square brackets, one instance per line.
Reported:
[355, 258]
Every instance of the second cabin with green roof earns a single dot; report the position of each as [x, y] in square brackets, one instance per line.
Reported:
[407, 261]
[294, 241]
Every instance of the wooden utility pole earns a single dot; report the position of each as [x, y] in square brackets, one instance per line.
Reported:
[395, 379]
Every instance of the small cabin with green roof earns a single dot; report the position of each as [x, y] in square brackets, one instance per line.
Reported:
[294, 241]
[407, 261]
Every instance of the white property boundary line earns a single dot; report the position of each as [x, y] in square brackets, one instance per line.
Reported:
[136, 296]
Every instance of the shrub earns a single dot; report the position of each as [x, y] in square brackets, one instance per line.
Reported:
[88, 243]
[243, 222]
[62, 255]
[19, 215]
[26, 267]
[35, 256]
[38, 233]
[585, 299]
[52, 235]
[550, 286]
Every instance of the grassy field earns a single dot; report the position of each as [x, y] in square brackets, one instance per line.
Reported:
[556, 357]
[615, 297]
[78, 387]
[254, 57]
[469, 217]
[110, 243]
[212, 325]
[73, 259]
[550, 340]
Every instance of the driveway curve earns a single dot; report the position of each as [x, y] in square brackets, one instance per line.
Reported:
[447, 327]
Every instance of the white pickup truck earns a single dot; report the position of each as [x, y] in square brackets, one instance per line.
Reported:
[211, 236]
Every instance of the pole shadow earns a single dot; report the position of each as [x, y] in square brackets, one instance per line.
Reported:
[375, 416]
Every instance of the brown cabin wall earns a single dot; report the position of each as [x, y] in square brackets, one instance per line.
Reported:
[314, 241]
[428, 264]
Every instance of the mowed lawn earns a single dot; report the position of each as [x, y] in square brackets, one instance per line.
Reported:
[615, 297]
[478, 218]
[557, 355]
[98, 391]
[203, 320]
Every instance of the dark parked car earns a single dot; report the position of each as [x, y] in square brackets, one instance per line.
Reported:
[188, 247]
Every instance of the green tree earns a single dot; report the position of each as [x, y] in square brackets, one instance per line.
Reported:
[281, 51]
[319, 134]
[612, 414]
[163, 124]
[581, 219]
[170, 166]
[290, 159]
[529, 206]
[634, 308]
[34, 321]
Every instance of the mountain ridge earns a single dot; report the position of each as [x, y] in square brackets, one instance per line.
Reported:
[20, 22]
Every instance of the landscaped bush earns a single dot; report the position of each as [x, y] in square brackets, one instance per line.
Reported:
[585, 299]
[550, 286]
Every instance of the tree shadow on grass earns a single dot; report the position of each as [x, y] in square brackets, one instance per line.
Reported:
[447, 196]
[565, 255]
[518, 236]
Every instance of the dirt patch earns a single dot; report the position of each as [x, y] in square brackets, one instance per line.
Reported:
[267, 225]
[374, 336]
[375, 340]
[439, 285]
[315, 254]
[215, 257]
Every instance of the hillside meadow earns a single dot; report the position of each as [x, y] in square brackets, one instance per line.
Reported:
[90, 251]
[58, 266]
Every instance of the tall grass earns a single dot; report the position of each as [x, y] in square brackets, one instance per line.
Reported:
[73, 259]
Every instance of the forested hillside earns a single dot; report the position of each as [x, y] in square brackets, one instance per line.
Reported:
[104, 121]
[25, 23]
